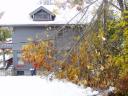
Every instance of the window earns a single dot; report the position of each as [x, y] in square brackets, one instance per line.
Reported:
[20, 61]
[20, 72]
[42, 16]
[60, 34]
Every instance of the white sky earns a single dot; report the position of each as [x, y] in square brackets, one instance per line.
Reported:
[13, 4]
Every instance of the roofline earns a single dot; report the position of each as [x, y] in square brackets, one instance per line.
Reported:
[17, 25]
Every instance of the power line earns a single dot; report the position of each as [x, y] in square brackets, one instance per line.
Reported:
[85, 32]
[75, 17]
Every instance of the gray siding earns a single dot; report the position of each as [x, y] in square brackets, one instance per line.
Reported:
[66, 39]
[21, 35]
[62, 41]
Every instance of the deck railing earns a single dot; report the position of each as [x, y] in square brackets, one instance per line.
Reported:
[6, 45]
[8, 72]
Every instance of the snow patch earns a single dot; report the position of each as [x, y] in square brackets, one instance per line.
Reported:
[36, 86]
[42, 86]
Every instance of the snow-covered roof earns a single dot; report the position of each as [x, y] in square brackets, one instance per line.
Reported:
[21, 16]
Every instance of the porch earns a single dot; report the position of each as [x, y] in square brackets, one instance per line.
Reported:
[9, 63]
[6, 60]
[6, 45]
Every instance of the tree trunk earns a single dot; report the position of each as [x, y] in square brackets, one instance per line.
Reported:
[105, 16]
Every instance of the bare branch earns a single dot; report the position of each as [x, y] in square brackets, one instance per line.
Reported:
[115, 6]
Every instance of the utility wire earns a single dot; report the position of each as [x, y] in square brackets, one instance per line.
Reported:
[75, 16]
[85, 32]
[83, 15]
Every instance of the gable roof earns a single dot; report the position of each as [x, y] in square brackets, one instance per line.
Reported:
[38, 9]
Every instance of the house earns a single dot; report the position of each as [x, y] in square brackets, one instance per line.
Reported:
[42, 22]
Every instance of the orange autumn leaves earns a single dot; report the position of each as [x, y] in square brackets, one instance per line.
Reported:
[38, 54]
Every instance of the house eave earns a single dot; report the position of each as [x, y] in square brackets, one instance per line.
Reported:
[32, 25]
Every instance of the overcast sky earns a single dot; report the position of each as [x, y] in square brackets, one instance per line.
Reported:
[13, 4]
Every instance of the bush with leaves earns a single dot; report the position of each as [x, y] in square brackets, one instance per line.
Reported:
[99, 60]
[4, 34]
[122, 58]
[122, 86]
[38, 54]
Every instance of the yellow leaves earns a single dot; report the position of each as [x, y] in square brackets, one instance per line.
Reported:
[55, 11]
[73, 73]
[74, 58]
[75, 69]
[61, 75]
[77, 38]
[83, 82]
[29, 39]
[36, 53]
[101, 34]
[118, 60]
[90, 67]
[102, 68]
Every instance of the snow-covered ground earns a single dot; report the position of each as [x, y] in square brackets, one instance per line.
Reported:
[42, 86]
[37, 86]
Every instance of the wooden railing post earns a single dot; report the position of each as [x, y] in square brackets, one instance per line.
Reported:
[4, 63]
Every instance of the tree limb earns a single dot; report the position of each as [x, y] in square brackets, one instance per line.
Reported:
[115, 6]
[121, 4]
